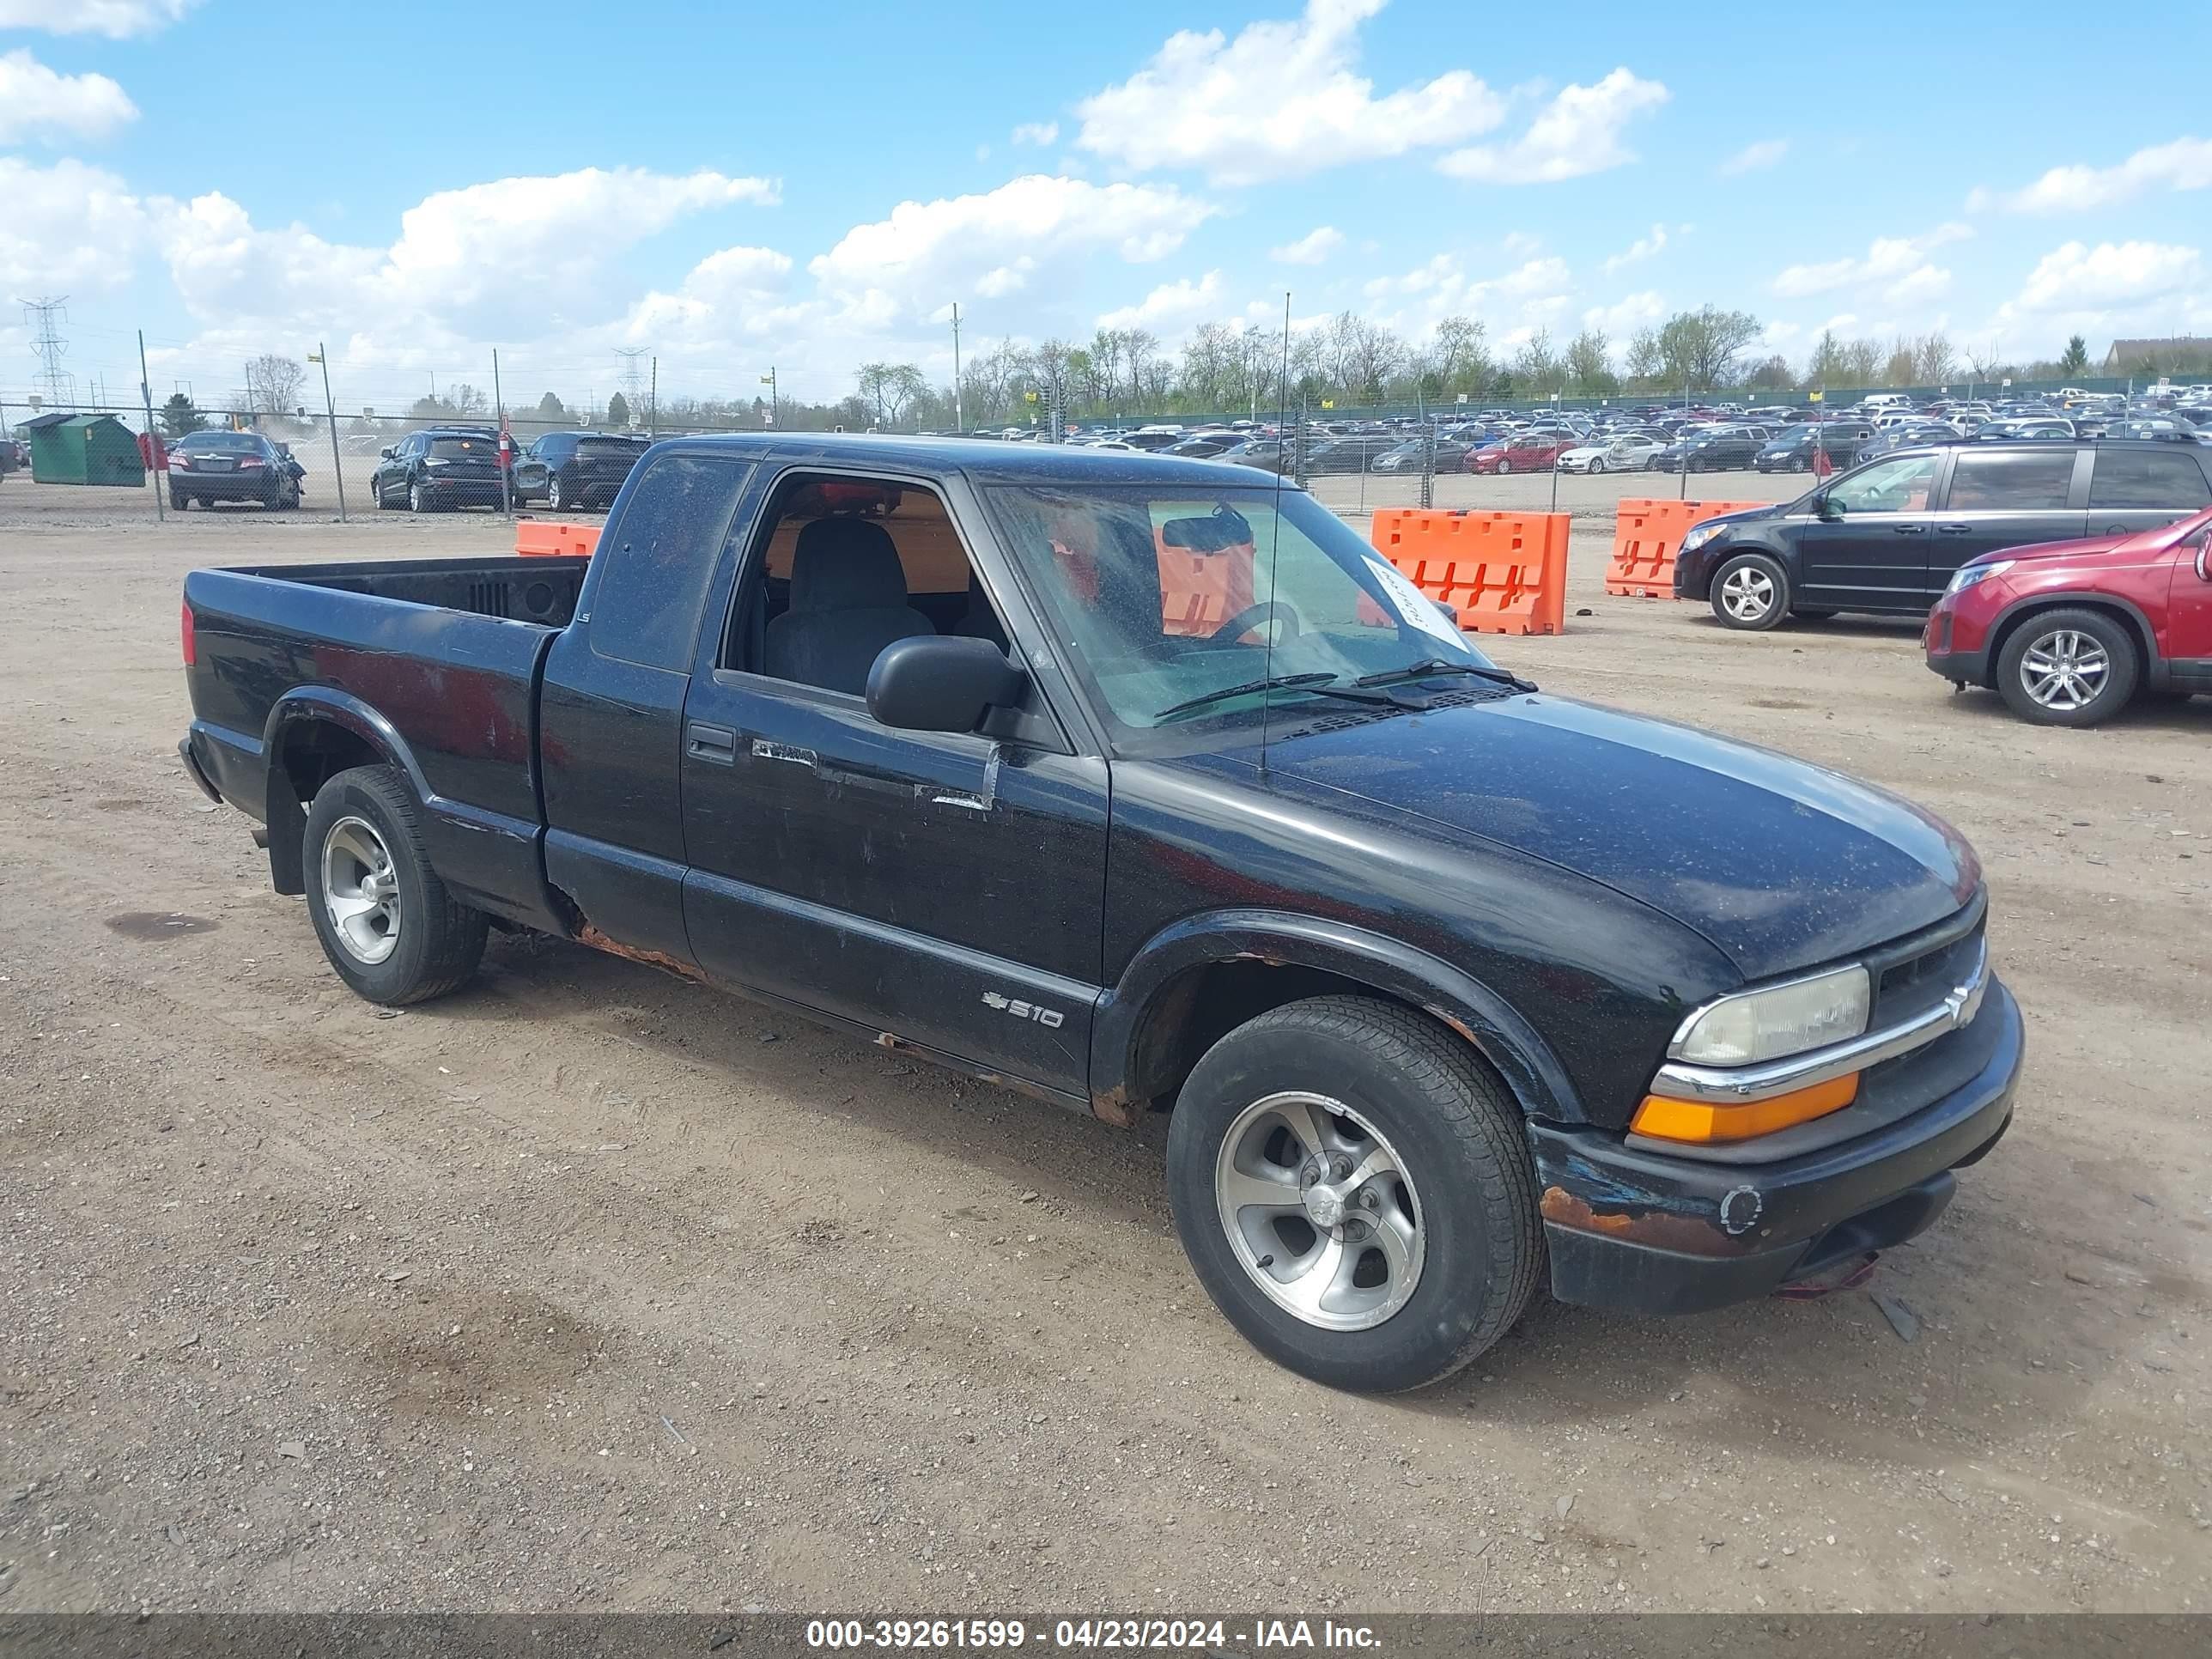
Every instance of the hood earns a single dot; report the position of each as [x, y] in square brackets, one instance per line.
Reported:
[1779, 863]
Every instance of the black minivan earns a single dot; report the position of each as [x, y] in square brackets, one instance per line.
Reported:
[1886, 537]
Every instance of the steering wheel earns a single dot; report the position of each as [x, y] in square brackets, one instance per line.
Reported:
[1252, 616]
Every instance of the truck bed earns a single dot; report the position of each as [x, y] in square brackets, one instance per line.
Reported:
[301, 670]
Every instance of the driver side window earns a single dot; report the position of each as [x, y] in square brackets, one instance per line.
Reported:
[1899, 486]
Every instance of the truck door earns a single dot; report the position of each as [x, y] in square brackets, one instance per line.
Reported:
[611, 712]
[942, 888]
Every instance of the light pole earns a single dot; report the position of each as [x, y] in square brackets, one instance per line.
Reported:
[959, 420]
[769, 380]
[338, 467]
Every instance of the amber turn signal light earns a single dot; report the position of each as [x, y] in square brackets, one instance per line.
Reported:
[1662, 1117]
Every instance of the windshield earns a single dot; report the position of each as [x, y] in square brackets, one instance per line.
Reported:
[1161, 596]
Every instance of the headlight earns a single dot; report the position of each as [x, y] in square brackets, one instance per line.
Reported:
[1752, 1026]
[1698, 537]
[1967, 575]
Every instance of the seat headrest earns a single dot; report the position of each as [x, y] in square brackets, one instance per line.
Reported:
[845, 564]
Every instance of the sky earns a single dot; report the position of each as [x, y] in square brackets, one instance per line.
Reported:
[737, 189]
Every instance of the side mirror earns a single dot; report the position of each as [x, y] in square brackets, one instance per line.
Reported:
[941, 684]
[1828, 510]
[385, 453]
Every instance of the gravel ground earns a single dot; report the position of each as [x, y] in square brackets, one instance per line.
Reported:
[587, 1288]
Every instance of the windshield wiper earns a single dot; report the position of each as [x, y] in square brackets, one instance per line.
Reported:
[1318, 681]
[1420, 671]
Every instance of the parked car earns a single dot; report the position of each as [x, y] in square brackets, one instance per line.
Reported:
[438, 468]
[1886, 535]
[1268, 454]
[1445, 455]
[213, 466]
[1792, 449]
[2068, 633]
[2041, 426]
[1631, 453]
[1717, 449]
[570, 469]
[1352, 454]
[1908, 434]
[1348, 901]
[1204, 445]
[1528, 451]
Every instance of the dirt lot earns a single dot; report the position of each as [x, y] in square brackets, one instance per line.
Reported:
[587, 1287]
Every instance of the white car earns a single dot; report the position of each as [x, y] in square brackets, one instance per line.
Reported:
[1615, 455]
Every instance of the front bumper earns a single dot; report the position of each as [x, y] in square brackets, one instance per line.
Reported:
[1648, 1232]
[1943, 641]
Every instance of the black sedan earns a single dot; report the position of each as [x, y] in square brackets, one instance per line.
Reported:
[208, 467]
[1792, 449]
[1355, 454]
[1718, 450]
[567, 470]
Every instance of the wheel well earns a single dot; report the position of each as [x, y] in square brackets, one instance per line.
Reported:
[309, 753]
[1201, 1006]
[2145, 654]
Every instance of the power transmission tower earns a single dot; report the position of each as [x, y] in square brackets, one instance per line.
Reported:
[633, 377]
[43, 318]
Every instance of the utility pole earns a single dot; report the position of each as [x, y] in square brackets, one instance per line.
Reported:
[153, 443]
[959, 421]
[506, 443]
[321, 357]
[652, 404]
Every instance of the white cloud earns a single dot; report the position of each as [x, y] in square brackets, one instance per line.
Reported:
[1578, 132]
[1533, 293]
[37, 102]
[2183, 164]
[2076, 276]
[993, 245]
[1310, 249]
[1641, 248]
[119, 20]
[1169, 305]
[1280, 100]
[1624, 316]
[67, 227]
[1898, 265]
[1755, 157]
[1037, 132]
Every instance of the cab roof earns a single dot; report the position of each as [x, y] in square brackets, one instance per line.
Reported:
[985, 460]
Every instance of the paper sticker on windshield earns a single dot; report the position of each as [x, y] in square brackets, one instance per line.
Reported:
[1415, 607]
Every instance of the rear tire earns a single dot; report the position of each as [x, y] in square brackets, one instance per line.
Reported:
[1372, 1084]
[418, 500]
[178, 501]
[390, 928]
[2069, 667]
[557, 499]
[1751, 593]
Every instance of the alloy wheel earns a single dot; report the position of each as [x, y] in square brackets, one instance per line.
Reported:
[1321, 1211]
[1747, 593]
[2065, 670]
[361, 891]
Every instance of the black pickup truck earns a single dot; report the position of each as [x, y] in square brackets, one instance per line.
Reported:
[1143, 785]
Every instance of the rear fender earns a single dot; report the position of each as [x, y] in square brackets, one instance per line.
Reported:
[300, 708]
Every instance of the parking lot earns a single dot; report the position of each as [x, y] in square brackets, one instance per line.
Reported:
[501, 1302]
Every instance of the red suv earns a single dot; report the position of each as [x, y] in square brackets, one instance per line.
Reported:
[2068, 631]
[1532, 452]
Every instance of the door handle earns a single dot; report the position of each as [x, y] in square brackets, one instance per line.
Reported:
[1953, 529]
[1910, 529]
[718, 744]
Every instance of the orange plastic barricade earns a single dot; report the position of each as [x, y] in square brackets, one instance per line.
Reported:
[1645, 534]
[543, 538]
[1199, 591]
[1503, 573]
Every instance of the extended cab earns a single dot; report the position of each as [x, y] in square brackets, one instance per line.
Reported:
[1141, 784]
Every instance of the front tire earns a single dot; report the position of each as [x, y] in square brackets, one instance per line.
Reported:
[1353, 1189]
[390, 928]
[1597, 466]
[2069, 667]
[1504, 467]
[1751, 591]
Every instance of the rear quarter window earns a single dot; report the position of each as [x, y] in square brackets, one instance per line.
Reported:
[2135, 477]
[653, 580]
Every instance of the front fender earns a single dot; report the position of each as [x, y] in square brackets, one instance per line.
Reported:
[1119, 1042]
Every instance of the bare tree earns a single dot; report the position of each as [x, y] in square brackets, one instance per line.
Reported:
[272, 384]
